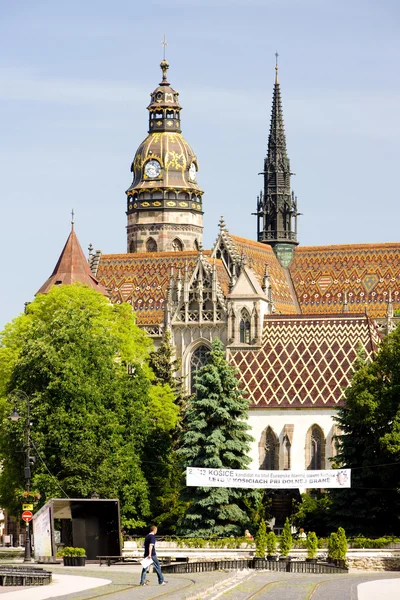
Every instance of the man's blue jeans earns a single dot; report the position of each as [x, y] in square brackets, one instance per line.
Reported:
[157, 568]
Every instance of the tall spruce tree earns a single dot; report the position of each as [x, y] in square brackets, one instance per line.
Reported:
[215, 435]
[370, 445]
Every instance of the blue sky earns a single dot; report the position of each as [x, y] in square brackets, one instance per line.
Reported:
[75, 79]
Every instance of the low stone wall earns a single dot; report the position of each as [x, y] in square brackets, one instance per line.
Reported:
[373, 560]
[358, 559]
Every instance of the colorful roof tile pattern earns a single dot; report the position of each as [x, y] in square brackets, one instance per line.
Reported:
[322, 275]
[142, 279]
[258, 255]
[305, 360]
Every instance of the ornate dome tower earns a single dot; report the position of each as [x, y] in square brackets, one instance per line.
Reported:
[165, 211]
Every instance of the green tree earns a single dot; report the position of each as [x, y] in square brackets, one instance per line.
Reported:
[333, 547]
[91, 416]
[272, 542]
[261, 540]
[312, 512]
[342, 543]
[370, 445]
[215, 435]
[286, 539]
[312, 544]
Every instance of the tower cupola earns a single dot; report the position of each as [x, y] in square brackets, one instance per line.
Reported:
[164, 108]
[164, 201]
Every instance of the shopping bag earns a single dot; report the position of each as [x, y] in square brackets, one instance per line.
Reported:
[146, 562]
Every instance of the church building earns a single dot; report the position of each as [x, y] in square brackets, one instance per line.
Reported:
[292, 318]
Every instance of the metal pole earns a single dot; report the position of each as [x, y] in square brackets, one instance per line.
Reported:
[28, 555]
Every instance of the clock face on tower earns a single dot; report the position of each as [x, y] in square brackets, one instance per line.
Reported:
[152, 169]
[192, 172]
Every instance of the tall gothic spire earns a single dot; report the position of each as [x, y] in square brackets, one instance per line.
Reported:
[277, 205]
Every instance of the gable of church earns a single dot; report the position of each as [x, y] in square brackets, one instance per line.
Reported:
[199, 298]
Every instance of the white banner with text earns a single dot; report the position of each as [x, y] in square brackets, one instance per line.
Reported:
[235, 478]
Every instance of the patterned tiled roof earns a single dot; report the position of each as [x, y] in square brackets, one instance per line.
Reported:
[142, 279]
[366, 273]
[305, 360]
[259, 255]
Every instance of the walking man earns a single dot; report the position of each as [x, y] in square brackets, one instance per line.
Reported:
[150, 552]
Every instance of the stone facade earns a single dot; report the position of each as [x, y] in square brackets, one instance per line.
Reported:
[171, 231]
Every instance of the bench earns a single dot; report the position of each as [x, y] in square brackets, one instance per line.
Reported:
[24, 576]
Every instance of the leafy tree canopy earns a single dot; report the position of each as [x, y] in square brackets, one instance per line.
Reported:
[91, 416]
[370, 444]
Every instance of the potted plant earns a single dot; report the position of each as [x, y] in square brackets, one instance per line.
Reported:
[271, 546]
[74, 557]
[285, 541]
[312, 547]
[333, 548]
[341, 547]
[261, 544]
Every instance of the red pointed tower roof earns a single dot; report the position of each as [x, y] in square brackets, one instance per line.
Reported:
[71, 267]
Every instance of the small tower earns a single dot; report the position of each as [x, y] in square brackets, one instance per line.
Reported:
[72, 267]
[165, 210]
[277, 205]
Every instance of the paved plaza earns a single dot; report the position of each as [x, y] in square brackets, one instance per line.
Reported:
[122, 583]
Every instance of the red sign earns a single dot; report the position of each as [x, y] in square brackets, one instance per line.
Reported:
[27, 516]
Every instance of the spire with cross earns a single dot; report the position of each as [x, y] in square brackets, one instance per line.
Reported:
[164, 43]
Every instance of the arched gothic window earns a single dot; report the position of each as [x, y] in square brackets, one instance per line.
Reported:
[198, 360]
[151, 245]
[132, 246]
[315, 448]
[177, 245]
[286, 453]
[196, 245]
[245, 327]
[269, 450]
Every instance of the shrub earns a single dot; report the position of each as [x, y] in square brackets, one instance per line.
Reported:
[300, 544]
[363, 542]
[312, 545]
[333, 546]
[71, 551]
[261, 540]
[271, 543]
[342, 543]
[286, 540]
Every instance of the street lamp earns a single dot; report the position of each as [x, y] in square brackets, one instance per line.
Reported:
[20, 395]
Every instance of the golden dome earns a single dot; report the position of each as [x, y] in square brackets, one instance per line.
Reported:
[164, 160]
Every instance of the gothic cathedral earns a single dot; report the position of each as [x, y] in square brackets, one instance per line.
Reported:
[291, 317]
